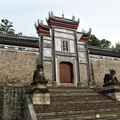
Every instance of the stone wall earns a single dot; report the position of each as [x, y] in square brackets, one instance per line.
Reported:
[12, 103]
[17, 67]
[1, 102]
[101, 67]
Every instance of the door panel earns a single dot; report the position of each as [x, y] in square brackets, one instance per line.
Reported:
[65, 72]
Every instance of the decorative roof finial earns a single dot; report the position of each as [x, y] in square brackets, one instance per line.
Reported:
[49, 14]
[52, 13]
[42, 22]
[73, 18]
[90, 30]
[38, 21]
[62, 15]
[35, 25]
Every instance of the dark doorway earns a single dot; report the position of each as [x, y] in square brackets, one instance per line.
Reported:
[66, 72]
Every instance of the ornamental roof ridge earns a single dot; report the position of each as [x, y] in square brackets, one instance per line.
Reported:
[51, 15]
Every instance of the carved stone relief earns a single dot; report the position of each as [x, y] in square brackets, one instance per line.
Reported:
[82, 57]
[81, 48]
[47, 38]
[47, 52]
[47, 43]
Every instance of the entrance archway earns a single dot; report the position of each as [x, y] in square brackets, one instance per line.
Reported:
[66, 72]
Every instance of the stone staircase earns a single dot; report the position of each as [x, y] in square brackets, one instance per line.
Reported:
[78, 104]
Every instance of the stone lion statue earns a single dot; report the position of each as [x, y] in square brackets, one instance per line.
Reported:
[39, 74]
[111, 78]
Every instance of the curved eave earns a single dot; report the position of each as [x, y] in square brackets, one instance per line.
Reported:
[43, 30]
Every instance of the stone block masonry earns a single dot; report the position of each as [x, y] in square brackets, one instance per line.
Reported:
[12, 103]
[101, 67]
[41, 98]
[16, 68]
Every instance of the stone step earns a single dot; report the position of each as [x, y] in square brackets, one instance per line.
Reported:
[78, 98]
[74, 94]
[83, 116]
[70, 90]
[74, 107]
[84, 102]
[98, 111]
[77, 104]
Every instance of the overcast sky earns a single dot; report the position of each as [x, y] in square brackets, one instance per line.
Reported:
[103, 16]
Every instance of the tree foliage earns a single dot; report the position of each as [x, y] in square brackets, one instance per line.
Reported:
[6, 27]
[105, 43]
[117, 46]
[94, 41]
[100, 43]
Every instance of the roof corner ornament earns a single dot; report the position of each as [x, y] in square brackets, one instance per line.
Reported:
[62, 15]
[78, 20]
[90, 30]
[46, 19]
[38, 21]
[85, 32]
[41, 22]
[35, 25]
[73, 18]
[51, 14]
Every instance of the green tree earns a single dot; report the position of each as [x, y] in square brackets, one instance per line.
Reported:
[117, 46]
[100, 43]
[94, 41]
[105, 43]
[6, 27]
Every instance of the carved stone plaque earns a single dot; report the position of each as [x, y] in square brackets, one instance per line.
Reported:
[47, 43]
[81, 47]
[82, 57]
[47, 52]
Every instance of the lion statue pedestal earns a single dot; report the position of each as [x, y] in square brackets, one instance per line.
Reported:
[111, 87]
[40, 93]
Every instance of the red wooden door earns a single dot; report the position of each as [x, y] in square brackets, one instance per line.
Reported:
[65, 72]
